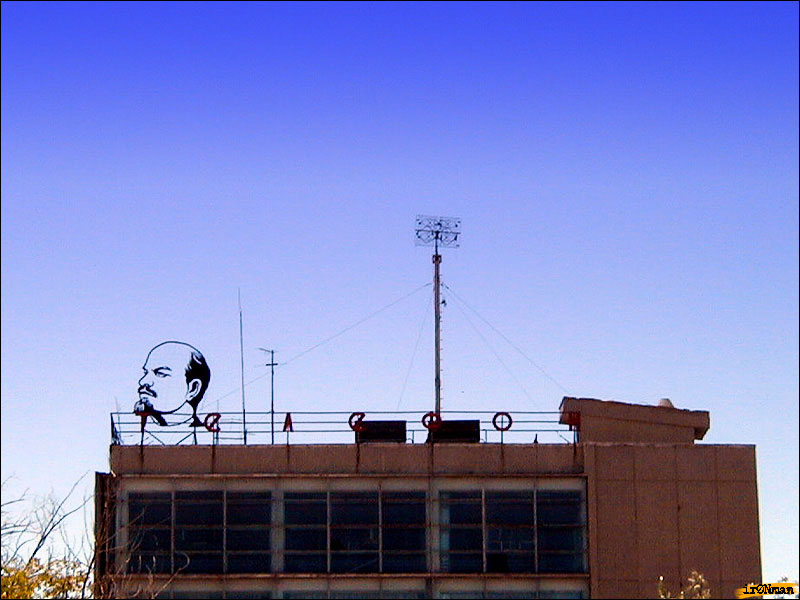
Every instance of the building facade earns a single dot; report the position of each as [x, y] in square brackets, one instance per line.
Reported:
[634, 498]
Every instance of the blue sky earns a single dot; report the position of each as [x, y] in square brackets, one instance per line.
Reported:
[627, 177]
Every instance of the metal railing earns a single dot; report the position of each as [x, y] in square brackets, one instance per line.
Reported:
[330, 427]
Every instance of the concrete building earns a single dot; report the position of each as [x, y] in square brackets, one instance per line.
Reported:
[633, 499]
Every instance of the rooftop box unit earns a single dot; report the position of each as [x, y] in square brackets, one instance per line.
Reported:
[381, 431]
[456, 431]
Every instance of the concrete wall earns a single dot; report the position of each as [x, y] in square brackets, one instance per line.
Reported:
[667, 509]
[366, 459]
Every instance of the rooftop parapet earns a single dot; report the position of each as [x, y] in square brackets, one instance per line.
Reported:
[609, 421]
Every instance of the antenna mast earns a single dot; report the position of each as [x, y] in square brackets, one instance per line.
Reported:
[271, 364]
[436, 231]
[241, 354]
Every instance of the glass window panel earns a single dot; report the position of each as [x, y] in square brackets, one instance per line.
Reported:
[404, 539]
[466, 512]
[503, 539]
[349, 562]
[510, 562]
[191, 562]
[561, 538]
[305, 563]
[461, 496]
[404, 563]
[204, 538]
[513, 508]
[150, 509]
[354, 539]
[198, 514]
[247, 539]
[466, 539]
[306, 539]
[259, 562]
[154, 540]
[559, 594]
[463, 563]
[510, 595]
[411, 513]
[560, 563]
[306, 512]
[354, 508]
[400, 594]
[559, 508]
[249, 508]
[263, 595]
[191, 595]
[149, 562]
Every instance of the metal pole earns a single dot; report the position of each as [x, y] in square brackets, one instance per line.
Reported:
[272, 394]
[437, 259]
[241, 353]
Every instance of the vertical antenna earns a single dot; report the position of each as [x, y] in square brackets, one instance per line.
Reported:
[433, 231]
[271, 364]
[241, 353]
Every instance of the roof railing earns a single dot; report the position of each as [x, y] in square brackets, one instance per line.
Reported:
[338, 427]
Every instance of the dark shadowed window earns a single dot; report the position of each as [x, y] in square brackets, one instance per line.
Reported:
[511, 532]
[150, 533]
[403, 532]
[561, 528]
[354, 532]
[199, 532]
[306, 532]
[461, 532]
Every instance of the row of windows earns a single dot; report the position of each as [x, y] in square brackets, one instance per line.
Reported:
[355, 532]
[370, 595]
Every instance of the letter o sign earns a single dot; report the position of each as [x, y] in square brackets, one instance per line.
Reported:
[504, 419]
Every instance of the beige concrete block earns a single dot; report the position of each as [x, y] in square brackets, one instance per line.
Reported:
[736, 463]
[696, 463]
[521, 458]
[614, 462]
[614, 534]
[559, 458]
[467, 458]
[164, 459]
[249, 459]
[657, 528]
[699, 529]
[740, 557]
[322, 458]
[655, 463]
[393, 459]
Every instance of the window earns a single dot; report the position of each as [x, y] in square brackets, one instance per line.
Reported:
[150, 533]
[199, 532]
[354, 532]
[513, 532]
[360, 532]
[561, 527]
[403, 532]
[461, 532]
[306, 532]
[248, 516]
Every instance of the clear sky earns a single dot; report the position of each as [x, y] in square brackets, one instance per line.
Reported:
[627, 176]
